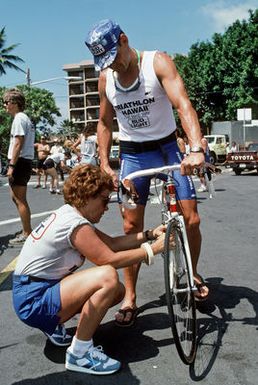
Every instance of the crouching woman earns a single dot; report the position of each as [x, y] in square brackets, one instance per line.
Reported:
[47, 289]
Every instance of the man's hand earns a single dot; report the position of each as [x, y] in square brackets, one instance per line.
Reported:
[114, 176]
[9, 174]
[192, 161]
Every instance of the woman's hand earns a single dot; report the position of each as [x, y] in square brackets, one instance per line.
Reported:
[161, 229]
[158, 245]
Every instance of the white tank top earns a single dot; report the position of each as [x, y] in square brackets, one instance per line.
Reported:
[146, 113]
[88, 146]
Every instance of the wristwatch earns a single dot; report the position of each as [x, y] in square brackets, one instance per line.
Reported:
[196, 149]
[11, 165]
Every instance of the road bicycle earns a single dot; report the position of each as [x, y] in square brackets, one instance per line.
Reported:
[178, 273]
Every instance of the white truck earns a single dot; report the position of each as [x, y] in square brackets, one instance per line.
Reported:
[218, 147]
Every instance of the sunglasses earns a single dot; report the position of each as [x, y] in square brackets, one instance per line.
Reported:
[105, 199]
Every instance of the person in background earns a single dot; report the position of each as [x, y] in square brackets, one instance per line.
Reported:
[140, 88]
[180, 142]
[86, 145]
[234, 147]
[50, 166]
[20, 156]
[68, 143]
[57, 148]
[203, 187]
[47, 289]
[43, 150]
[187, 146]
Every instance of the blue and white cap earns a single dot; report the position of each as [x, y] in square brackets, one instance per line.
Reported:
[102, 42]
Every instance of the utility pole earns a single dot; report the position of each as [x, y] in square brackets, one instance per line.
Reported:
[28, 77]
[27, 73]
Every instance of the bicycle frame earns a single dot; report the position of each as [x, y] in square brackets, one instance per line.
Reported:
[170, 213]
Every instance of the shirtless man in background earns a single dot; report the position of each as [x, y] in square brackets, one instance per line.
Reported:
[43, 150]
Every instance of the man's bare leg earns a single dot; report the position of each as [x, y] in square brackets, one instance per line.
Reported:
[133, 223]
[18, 194]
[192, 223]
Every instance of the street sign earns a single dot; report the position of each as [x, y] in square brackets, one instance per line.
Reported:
[244, 114]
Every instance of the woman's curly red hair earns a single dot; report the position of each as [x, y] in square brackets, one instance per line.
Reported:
[85, 181]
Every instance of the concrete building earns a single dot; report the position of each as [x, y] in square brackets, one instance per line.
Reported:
[83, 96]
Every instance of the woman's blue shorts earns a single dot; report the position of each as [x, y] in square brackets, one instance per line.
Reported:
[37, 303]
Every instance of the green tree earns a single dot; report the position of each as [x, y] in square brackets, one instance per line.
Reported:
[6, 58]
[222, 75]
[40, 107]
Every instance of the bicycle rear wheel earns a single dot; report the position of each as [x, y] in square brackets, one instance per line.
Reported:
[179, 294]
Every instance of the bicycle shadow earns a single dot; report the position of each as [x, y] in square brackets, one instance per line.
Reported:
[212, 328]
[4, 242]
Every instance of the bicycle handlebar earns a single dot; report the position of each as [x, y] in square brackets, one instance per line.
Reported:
[129, 194]
[152, 171]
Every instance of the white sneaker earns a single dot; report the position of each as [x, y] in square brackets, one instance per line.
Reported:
[202, 189]
[18, 240]
[94, 361]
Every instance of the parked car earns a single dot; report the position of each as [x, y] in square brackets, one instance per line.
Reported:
[245, 160]
[218, 147]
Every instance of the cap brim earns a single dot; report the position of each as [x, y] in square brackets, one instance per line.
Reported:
[103, 61]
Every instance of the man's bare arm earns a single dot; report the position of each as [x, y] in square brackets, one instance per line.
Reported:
[174, 87]
[104, 128]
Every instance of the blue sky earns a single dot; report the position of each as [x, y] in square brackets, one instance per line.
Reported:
[51, 32]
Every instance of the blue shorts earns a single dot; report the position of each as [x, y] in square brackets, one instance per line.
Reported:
[37, 303]
[167, 154]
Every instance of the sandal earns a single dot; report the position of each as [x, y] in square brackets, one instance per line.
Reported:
[200, 286]
[124, 312]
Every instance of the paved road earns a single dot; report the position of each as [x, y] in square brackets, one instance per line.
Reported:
[228, 323]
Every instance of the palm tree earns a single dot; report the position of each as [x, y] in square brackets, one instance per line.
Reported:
[6, 59]
[67, 127]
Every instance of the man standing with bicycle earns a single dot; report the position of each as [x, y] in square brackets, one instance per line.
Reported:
[140, 88]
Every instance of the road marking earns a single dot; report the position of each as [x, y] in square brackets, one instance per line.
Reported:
[7, 270]
[8, 221]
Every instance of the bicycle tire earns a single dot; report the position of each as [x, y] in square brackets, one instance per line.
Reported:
[181, 305]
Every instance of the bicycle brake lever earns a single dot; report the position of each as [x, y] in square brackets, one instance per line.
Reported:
[129, 194]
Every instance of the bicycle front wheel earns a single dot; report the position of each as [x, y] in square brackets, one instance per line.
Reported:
[179, 294]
